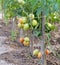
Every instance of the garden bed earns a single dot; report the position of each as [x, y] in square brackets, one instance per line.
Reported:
[21, 56]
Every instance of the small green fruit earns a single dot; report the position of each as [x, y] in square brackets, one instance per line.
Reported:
[22, 2]
[34, 23]
[49, 25]
[20, 25]
[24, 19]
[35, 52]
[26, 26]
[26, 39]
[52, 27]
[31, 16]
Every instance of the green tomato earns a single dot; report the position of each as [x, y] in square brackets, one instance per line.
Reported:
[47, 29]
[31, 16]
[24, 19]
[55, 17]
[20, 25]
[53, 27]
[26, 26]
[22, 2]
[49, 25]
[35, 52]
[34, 23]
[26, 39]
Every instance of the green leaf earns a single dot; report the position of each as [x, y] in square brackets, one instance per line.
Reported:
[34, 3]
[39, 10]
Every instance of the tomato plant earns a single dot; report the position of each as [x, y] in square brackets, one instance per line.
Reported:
[36, 15]
[29, 12]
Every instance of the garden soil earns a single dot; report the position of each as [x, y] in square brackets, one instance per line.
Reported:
[20, 55]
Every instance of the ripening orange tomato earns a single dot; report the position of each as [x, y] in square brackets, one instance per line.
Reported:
[21, 20]
[47, 52]
[21, 40]
[39, 55]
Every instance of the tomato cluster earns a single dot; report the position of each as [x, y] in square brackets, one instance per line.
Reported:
[25, 41]
[38, 53]
[27, 23]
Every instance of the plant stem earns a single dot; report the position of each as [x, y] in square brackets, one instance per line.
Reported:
[13, 24]
[2, 9]
[43, 59]
[21, 33]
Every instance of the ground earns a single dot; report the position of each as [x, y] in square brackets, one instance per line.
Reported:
[13, 53]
